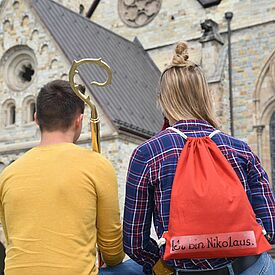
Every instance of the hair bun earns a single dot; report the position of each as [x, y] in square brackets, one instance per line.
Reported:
[181, 54]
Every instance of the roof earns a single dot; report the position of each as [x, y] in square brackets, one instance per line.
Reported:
[130, 102]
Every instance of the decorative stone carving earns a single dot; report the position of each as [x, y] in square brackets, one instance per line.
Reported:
[212, 50]
[259, 128]
[211, 31]
[18, 66]
[209, 3]
[137, 13]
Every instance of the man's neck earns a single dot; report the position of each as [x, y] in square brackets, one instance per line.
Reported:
[56, 137]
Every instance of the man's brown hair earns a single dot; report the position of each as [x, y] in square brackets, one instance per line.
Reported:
[57, 105]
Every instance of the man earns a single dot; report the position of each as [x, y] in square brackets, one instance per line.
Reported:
[59, 200]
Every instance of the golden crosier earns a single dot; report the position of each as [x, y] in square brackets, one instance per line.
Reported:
[94, 120]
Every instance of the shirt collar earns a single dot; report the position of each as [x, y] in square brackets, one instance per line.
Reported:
[193, 124]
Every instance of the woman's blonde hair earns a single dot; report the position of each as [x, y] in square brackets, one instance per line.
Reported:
[184, 92]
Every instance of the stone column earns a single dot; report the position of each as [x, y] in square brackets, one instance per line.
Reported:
[212, 43]
[259, 131]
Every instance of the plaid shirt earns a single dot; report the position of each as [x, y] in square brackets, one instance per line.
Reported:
[148, 190]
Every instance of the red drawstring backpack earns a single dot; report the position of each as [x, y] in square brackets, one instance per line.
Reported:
[210, 214]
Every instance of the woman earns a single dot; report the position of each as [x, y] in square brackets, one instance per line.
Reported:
[186, 102]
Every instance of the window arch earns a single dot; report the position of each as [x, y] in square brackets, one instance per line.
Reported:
[264, 108]
[9, 112]
[29, 108]
[272, 147]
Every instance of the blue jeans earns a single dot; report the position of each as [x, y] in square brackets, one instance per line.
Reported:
[128, 267]
[263, 266]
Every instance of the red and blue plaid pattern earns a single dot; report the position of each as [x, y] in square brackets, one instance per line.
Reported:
[150, 177]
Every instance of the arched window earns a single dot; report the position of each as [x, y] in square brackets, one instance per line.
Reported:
[9, 113]
[81, 9]
[12, 115]
[29, 109]
[272, 148]
[32, 111]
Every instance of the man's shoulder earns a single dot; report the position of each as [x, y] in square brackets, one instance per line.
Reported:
[91, 158]
[12, 168]
[90, 154]
[14, 164]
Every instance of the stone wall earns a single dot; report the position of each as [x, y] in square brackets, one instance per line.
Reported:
[180, 19]
[24, 41]
[21, 32]
[253, 41]
[119, 151]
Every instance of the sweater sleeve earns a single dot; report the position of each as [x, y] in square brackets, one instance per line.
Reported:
[263, 201]
[139, 204]
[109, 230]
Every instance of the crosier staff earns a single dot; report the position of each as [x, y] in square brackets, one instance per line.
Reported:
[94, 119]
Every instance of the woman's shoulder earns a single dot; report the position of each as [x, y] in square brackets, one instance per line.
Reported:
[229, 144]
[156, 144]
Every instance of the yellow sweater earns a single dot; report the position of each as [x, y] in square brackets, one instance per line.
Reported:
[57, 202]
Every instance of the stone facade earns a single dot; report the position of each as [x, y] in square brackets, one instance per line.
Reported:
[253, 43]
[135, 13]
[180, 19]
[119, 151]
[29, 58]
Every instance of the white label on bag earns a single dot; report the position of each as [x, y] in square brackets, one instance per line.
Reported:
[213, 242]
